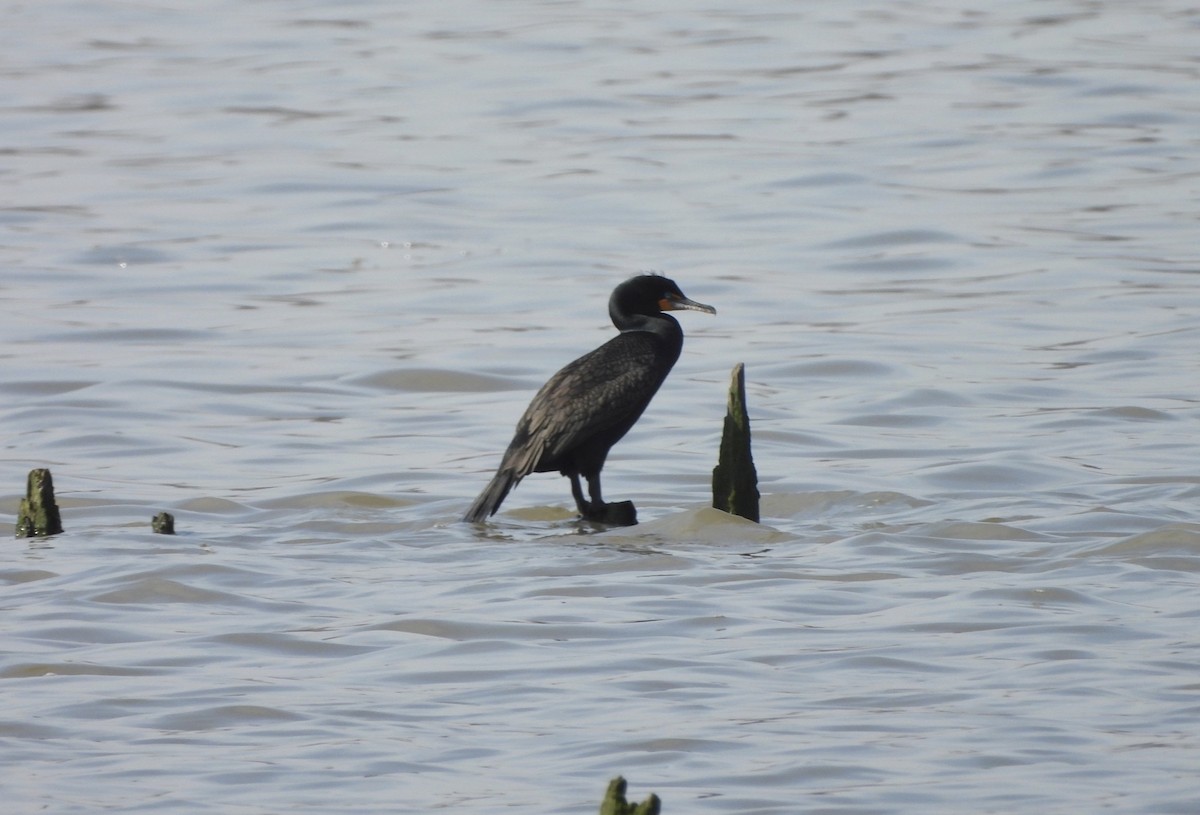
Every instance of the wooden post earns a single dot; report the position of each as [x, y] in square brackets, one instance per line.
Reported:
[735, 481]
[615, 803]
[621, 513]
[38, 516]
[163, 523]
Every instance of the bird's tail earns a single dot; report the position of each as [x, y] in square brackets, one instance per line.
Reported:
[492, 496]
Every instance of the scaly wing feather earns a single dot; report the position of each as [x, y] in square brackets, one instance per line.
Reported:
[601, 390]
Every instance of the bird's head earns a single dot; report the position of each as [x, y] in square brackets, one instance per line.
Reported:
[651, 294]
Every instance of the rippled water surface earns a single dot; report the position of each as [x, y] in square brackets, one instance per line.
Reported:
[292, 270]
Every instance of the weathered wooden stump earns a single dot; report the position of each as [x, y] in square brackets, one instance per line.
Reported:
[163, 523]
[615, 803]
[621, 513]
[735, 481]
[38, 516]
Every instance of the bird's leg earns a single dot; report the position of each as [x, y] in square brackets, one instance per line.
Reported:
[619, 514]
[596, 508]
[594, 492]
[590, 510]
[577, 491]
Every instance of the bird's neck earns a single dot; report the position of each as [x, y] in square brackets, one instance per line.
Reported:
[662, 324]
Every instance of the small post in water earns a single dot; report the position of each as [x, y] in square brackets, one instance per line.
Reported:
[735, 481]
[163, 523]
[38, 516]
[615, 804]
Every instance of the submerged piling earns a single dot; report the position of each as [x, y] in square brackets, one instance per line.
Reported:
[735, 481]
[615, 803]
[38, 516]
[621, 513]
[163, 523]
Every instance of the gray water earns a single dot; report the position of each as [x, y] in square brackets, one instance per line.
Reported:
[291, 271]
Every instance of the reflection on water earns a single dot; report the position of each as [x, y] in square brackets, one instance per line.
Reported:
[294, 275]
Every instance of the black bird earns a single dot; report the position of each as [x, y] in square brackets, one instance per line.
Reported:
[590, 404]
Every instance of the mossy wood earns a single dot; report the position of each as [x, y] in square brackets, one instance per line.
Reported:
[38, 516]
[621, 513]
[735, 481]
[615, 803]
[163, 523]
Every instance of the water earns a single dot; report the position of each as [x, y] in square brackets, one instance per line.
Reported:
[291, 271]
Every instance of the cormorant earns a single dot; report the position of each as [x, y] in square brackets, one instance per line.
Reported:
[591, 403]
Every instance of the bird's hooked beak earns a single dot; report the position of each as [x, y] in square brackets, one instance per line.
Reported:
[677, 302]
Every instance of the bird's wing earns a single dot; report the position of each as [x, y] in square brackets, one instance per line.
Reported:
[602, 389]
